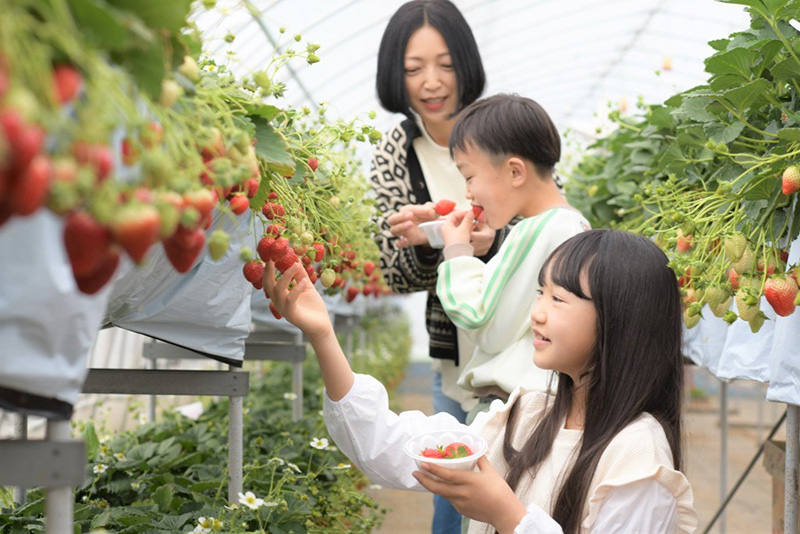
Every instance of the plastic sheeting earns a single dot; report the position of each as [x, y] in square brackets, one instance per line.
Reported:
[206, 309]
[47, 326]
[734, 352]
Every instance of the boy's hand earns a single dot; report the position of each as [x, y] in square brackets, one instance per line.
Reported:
[482, 238]
[302, 305]
[404, 223]
[484, 495]
[457, 228]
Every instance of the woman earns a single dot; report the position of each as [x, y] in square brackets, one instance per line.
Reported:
[429, 69]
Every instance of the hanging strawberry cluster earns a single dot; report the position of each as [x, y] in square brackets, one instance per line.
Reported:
[137, 152]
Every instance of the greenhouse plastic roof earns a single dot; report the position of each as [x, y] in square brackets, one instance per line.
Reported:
[573, 56]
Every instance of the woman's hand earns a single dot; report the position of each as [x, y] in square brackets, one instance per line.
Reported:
[404, 224]
[457, 228]
[482, 238]
[483, 496]
[302, 305]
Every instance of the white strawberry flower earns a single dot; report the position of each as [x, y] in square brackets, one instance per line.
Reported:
[320, 444]
[99, 469]
[250, 500]
[290, 396]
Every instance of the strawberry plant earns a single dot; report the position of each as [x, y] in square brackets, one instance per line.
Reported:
[711, 173]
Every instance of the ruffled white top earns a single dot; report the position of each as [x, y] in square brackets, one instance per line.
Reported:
[635, 487]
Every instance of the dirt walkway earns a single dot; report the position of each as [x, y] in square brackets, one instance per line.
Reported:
[749, 512]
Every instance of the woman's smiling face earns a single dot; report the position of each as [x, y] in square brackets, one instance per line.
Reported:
[430, 79]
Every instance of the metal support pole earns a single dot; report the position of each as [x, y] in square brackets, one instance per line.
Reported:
[59, 500]
[21, 433]
[792, 449]
[151, 404]
[235, 444]
[723, 467]
[297, 383]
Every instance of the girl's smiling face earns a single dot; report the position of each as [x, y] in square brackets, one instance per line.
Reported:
[487, 186]
[564, 328]
[430, 79]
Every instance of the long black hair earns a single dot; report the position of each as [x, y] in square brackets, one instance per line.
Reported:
[445, 17]
[636, 365]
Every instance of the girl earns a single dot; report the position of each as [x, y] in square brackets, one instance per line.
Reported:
[602, 455]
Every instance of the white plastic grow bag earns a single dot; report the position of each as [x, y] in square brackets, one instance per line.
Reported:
[206, 309]
[47, 326]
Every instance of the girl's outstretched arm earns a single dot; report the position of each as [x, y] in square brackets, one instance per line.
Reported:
[303, 307]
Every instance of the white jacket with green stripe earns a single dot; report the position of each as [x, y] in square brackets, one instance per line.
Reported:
[492, 302]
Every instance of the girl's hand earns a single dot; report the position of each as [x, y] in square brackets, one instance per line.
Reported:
[482, 238]
[302, 305]
[457, 228]
[483, 496]
[404, 224]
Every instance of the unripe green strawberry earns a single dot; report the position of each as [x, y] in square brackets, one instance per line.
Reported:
[790, 181]
[734, 247]
[263, 80]
[170, 92]
[748, 309]
[169, 205]
[747, 263]
[722, 308]
[757, 322]
[690, 320]
[715, 295]
[218, 244]
[246, 254]
[694, 309]
[730, 317]
[190, 69]
[780, 292]
[328, 277]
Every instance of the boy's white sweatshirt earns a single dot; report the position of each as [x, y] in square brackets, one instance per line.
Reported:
[492, 302]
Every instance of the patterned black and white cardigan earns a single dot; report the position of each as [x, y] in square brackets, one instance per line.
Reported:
[397, 180]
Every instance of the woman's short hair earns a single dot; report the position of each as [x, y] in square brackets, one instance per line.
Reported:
[508, 124]
[445, 17]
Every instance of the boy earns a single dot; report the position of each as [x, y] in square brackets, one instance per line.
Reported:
[506, 148]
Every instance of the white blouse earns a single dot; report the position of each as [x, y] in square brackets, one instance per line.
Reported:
[657, 500]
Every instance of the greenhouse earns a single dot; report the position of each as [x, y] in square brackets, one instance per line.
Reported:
[447, 266]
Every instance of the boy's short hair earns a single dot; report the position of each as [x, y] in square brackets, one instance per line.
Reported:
[508, 124]
[445, 17]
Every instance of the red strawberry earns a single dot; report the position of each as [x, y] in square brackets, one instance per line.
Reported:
[780, 293]
[790, 181]
[274, 311]
[287, 260]
[443, 207]
[87, 243]
[477, 212]
[457, 450]
[369, 267]
[319, 250]
[26, 145]
[264, 248]
[66, 83]
[239, 204]
[130, 152]
[313, 163]
[432, 453]
[684, 242]
[352, 293]
[280, 249]
[203, 200]
[92, 282]
[733, 279]
[183, 248]
[252, 186]
[97, 156]
[275, 229]
[136, 227]
[273, 211]
[254, 273]
[30, 190]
